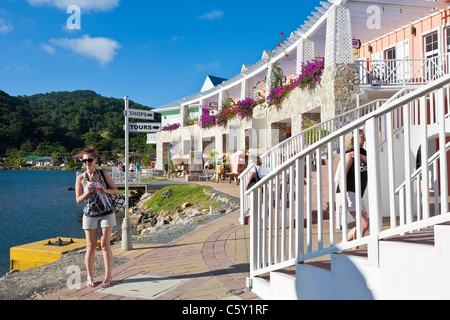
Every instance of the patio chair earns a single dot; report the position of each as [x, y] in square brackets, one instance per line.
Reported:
[208, 174]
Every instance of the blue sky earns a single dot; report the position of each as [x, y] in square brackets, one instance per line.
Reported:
[155, 52]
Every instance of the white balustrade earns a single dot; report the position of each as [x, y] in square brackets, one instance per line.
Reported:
[292, 208]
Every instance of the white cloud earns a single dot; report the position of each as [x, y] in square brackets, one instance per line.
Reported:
[88, 5]
[5, 27]
[17, 67]
[177, 38]
[213, 15]
[101, 49]
[204, 66]
[48, 48]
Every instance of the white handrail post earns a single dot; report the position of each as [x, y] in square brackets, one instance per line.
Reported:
[391, 176]
[424, 157]
[299, 205]
[443, 152]
[253, 232]
[408, 187]
[242, 202]
[374, 187]
[356, 160]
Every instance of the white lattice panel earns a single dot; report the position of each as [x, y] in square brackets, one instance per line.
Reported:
[344, 48]
[245, 88]
[268, 78]
[338, 47]
[305, 52]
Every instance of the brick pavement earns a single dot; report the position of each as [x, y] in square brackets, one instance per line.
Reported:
[207, 262]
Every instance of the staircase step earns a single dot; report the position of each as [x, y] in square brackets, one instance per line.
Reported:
[362, 253]
[322, 264]
[276, 285]
[425, 237]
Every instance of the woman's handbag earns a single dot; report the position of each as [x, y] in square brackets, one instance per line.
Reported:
[117, 200]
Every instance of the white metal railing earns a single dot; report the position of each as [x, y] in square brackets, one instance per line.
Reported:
[291, 207]
[418, 194]
[402, 71]
[292, 146]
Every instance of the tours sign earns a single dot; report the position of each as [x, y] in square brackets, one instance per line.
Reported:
[144, 127]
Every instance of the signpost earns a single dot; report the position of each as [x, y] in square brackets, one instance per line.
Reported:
[133, 127]
[126, 225]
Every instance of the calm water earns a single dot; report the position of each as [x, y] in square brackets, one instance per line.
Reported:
[34, 206]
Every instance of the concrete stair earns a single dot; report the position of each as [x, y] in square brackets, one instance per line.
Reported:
[413, 266]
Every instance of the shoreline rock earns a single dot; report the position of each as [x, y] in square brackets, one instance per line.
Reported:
[146, 225]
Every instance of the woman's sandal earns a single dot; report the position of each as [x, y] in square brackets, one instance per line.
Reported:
[90, 282]
[106, 283]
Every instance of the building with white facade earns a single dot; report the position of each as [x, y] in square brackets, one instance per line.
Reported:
[384, 68]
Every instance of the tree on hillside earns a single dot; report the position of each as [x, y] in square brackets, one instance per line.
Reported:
[65, 122]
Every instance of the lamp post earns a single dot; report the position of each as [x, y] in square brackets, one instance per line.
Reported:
[126, 225]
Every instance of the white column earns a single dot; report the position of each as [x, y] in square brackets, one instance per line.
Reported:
[268, 78]
[245, 89]
[338, 47]
[221, 97]
[184, 114]
[225, 96]
[203, 104]
[305, 52]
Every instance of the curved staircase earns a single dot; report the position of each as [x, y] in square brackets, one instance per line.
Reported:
[297, 249]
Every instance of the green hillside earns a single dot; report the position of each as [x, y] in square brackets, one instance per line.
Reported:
[63, 123]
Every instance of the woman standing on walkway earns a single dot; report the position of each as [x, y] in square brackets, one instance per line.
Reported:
[93, 188]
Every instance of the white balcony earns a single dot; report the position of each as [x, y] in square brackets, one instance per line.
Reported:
[402, 72]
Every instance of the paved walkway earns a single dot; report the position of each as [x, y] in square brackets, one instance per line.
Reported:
[205, 264]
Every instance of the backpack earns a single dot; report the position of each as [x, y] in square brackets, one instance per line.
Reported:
[255, 179]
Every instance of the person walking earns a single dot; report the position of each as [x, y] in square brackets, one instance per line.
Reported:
[256, 173]
[219, 173]
[350, 178]
[93, 187]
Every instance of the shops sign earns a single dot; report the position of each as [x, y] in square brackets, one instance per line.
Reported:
[141, 114]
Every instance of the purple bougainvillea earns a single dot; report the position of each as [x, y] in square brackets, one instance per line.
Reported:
[244, 108]
[171, 127]
[207, 120]
[224, 115]
[311, 74]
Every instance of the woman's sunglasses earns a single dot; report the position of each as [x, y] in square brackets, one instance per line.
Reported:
[88, 160]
